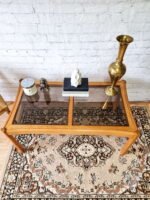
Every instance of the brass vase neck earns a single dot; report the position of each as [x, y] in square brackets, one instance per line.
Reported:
[122, 50]
[124, 40]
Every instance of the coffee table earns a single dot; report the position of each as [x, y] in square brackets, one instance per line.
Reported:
[73, 115]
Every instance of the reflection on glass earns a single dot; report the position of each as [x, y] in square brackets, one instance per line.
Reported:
[89, 111]
[54, 113]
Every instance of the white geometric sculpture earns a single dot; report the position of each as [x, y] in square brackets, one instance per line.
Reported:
[76, 78]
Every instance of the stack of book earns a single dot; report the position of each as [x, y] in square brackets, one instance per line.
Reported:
[80, 91]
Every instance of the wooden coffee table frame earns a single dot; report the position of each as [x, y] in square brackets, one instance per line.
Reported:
[131, 131]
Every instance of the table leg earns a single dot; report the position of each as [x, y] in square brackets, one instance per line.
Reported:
[18, 146]
[129, 143]
[116, 102]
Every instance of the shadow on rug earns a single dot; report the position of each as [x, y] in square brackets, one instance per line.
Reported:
[80, 167]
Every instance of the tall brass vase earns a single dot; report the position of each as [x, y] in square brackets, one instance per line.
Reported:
[117, 69]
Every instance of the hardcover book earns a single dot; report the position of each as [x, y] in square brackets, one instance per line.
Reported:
[83, 87]
[75, 94]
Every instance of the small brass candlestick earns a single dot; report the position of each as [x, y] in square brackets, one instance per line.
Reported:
[117, 69]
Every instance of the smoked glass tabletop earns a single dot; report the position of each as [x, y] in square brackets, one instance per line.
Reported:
[48, 108]
[51, 108]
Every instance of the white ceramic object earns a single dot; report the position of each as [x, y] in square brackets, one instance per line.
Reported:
[76, 78]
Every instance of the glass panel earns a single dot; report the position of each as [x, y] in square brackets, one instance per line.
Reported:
[88, 111]
[51, 108]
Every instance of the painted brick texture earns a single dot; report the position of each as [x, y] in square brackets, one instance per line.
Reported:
[50, 38]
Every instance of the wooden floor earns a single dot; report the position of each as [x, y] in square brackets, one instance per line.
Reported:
[5, 145]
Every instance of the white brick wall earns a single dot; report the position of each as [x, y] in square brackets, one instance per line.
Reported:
[50, 38]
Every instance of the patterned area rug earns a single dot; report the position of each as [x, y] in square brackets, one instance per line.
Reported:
[80, 167]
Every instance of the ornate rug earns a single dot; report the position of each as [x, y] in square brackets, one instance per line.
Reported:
[66, 167]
